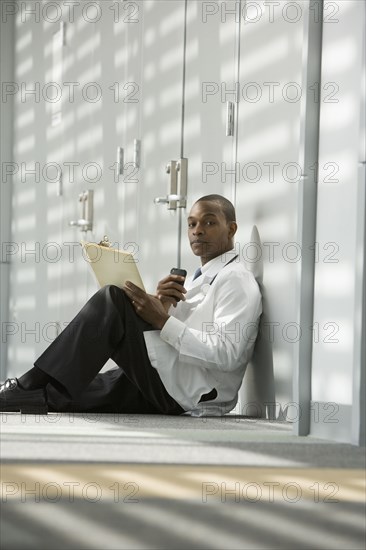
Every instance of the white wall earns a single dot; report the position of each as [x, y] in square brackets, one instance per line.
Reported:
[339, 274]
[6, 157]
[143, 53]
[49, 279]
[269, 190]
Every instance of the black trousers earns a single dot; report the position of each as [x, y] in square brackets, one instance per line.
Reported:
[106, 327]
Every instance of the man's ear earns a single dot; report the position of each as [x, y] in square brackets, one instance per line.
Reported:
[233, 228]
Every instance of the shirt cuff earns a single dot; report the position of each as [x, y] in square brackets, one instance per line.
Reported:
[172, 331]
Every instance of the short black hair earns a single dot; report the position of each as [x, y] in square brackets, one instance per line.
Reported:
[226, 206]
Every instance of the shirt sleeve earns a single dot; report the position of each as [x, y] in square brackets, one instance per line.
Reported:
[224, 341]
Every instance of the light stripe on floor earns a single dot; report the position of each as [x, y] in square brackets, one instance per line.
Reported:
[50, 482]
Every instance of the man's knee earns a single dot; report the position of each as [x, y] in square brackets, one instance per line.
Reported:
[111, 290]
[105, 295]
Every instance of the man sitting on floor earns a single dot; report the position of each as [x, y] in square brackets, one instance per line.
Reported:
[184, 349]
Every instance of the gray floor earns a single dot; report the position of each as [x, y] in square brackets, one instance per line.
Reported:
[121, 482]
[168, 440]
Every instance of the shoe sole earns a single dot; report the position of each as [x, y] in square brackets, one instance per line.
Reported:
[34, 410]
[26, 410]
[23, 407]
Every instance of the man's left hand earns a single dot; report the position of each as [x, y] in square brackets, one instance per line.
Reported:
[148, 307]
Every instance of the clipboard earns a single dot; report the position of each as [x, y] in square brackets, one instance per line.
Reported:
[110, 265]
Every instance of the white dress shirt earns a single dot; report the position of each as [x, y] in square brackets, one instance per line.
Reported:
[209, 338]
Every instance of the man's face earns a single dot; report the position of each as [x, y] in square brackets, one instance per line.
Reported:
[210, 235]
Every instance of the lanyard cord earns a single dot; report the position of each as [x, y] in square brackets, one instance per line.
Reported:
[229, 262]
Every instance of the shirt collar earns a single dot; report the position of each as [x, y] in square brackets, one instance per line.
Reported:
[211, 268]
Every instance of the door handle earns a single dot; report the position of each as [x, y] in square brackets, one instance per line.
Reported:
[120, 160]
[137, 153]
[85, 222]
[171, 169]
[182, 168]
[177, 192]
[230, 115]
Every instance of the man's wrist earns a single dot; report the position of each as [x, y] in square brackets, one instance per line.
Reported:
[161, 323]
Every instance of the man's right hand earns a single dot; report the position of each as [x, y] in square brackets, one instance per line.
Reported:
[170, 290]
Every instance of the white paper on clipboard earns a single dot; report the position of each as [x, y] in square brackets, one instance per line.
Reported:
[112, 266]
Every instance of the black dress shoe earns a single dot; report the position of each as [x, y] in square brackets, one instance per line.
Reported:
[13, 398]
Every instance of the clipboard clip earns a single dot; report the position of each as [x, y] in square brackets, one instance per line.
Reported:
[105, 242]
